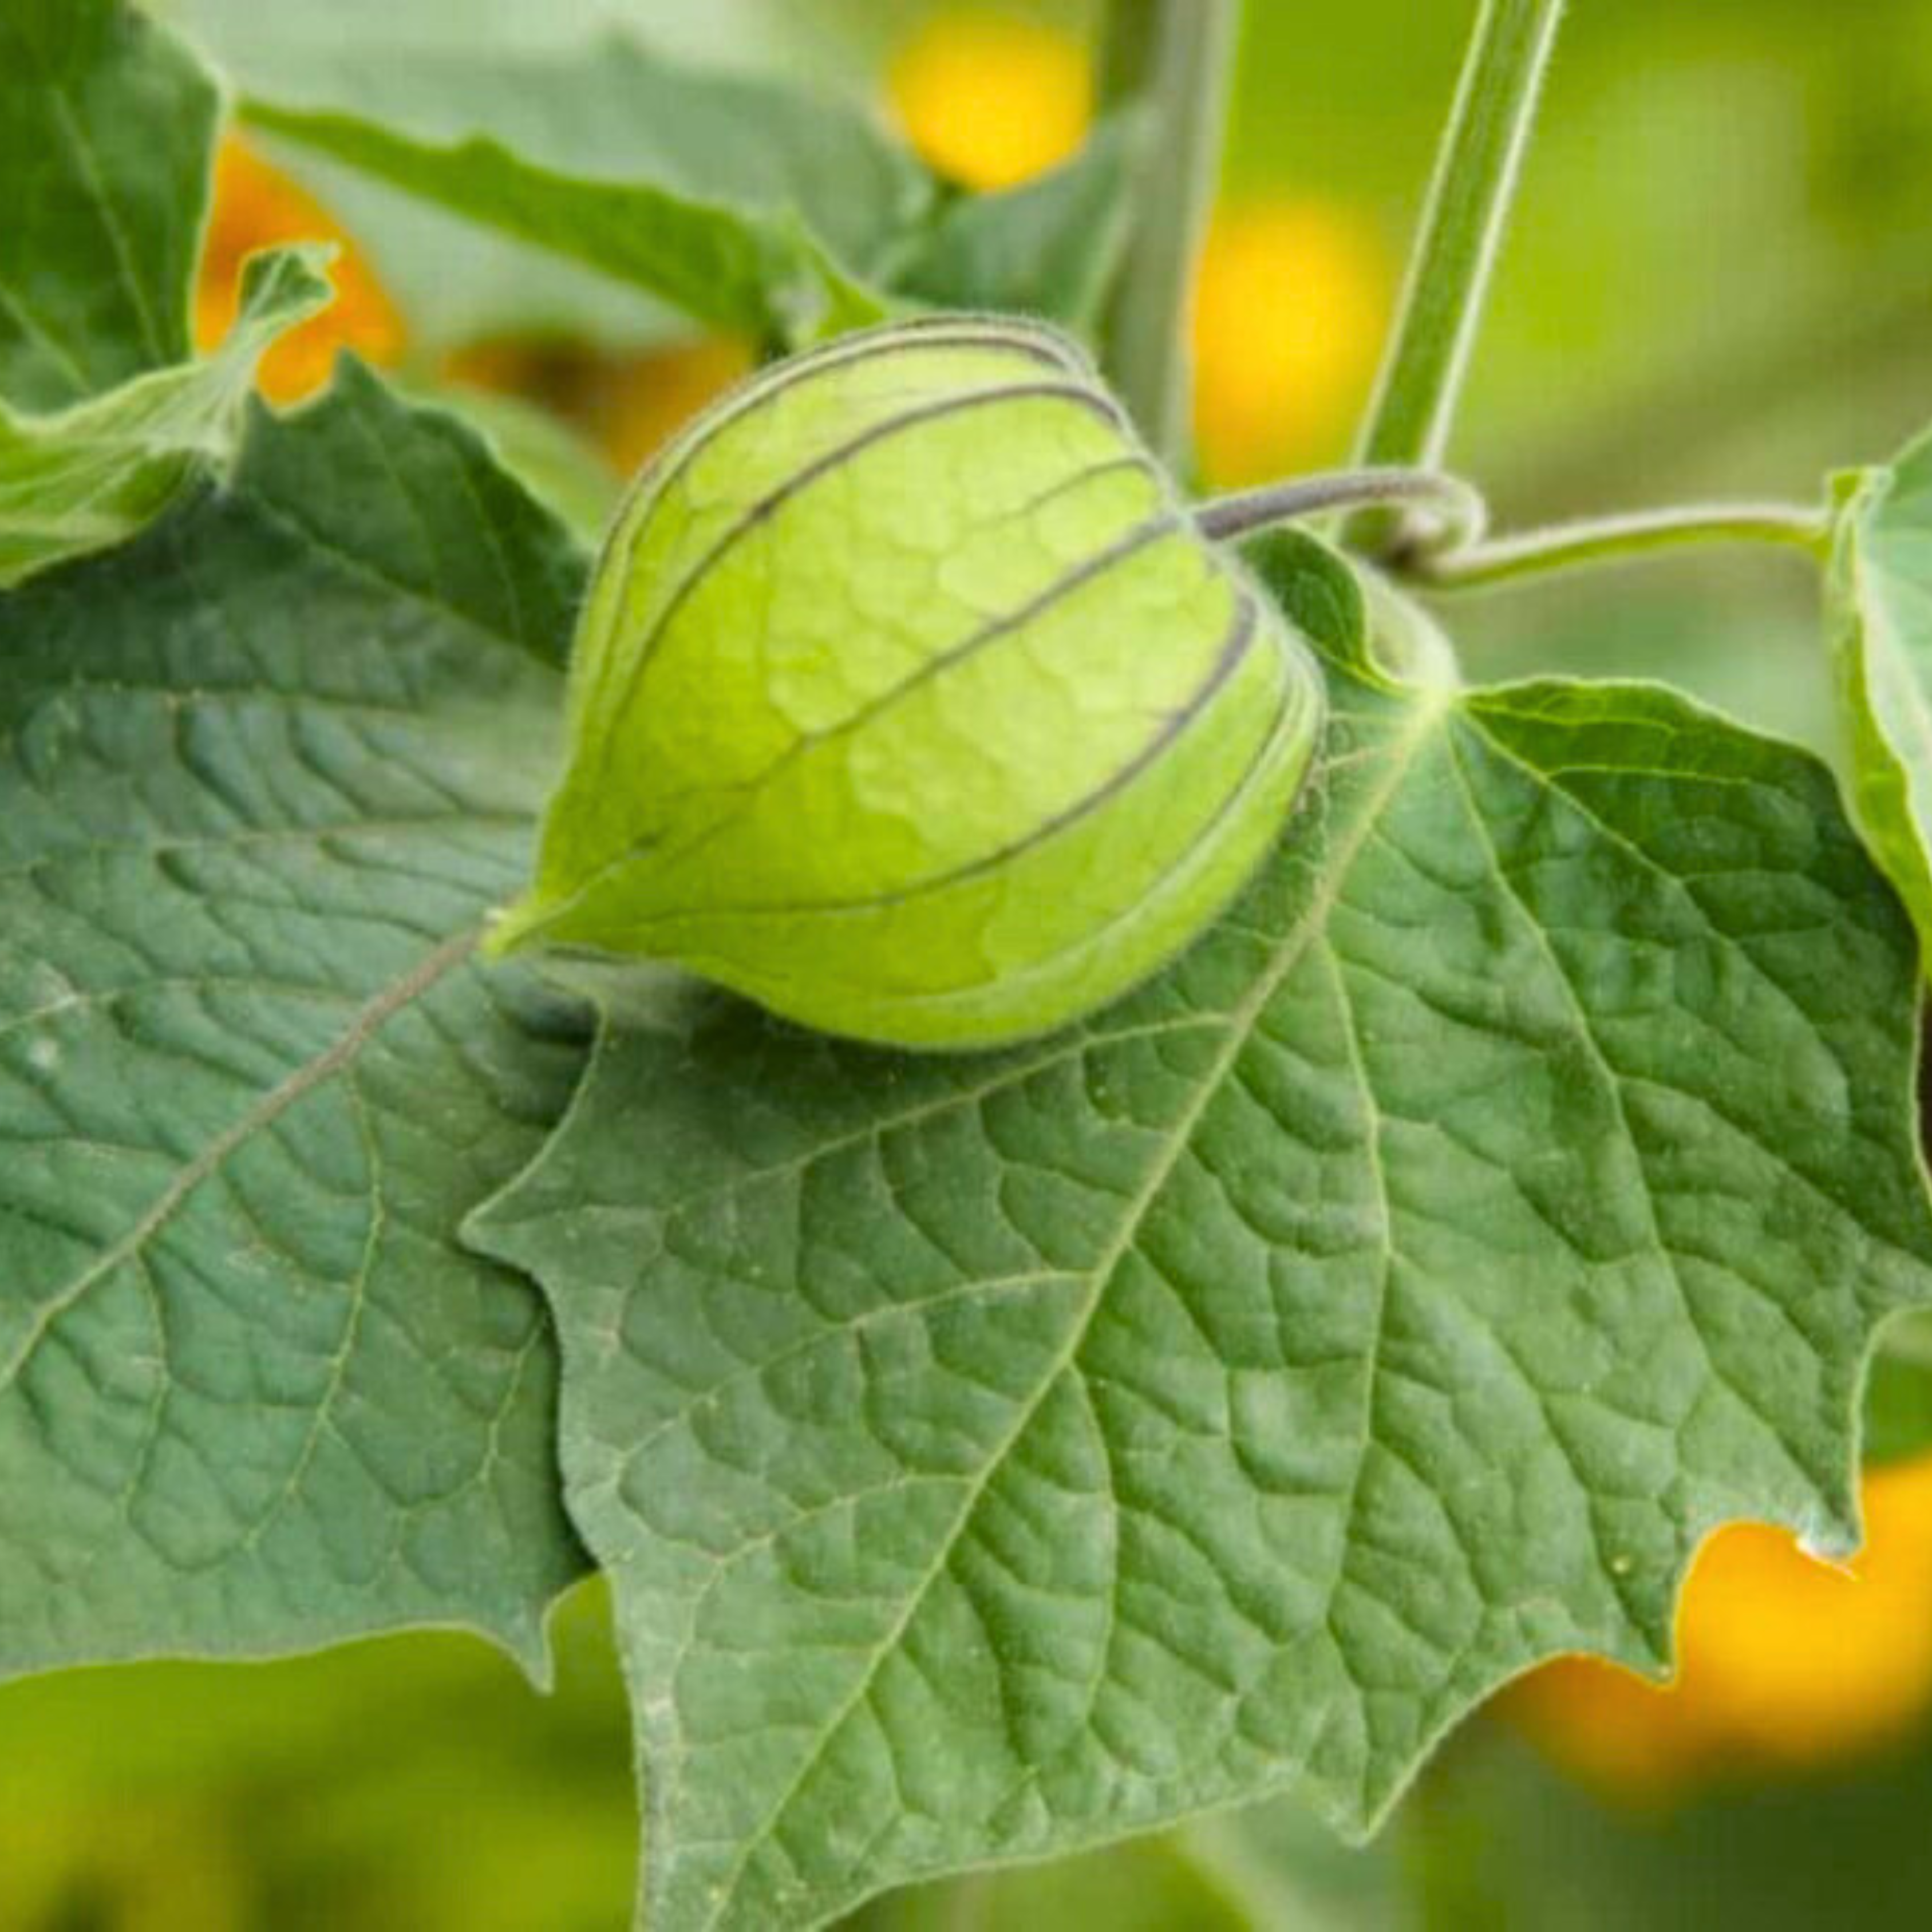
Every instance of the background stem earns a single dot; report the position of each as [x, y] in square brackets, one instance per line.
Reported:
[1462, 228]
[1174, 58]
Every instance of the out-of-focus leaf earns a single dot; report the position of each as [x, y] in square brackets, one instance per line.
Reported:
[1881, 637]
[455, 282]
[1497, 1838]
[760, 271]
[1898, 1397]
[555, 464]
[272, 48]
[995, 1455]
[1271, 1867]
[615, 112]
[105, 125]
[1150, 1885]
[1051, 248]
[261, 772]
[90, 475]
[410, 1784]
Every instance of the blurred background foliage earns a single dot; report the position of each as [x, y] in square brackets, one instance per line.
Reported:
[1720, 281]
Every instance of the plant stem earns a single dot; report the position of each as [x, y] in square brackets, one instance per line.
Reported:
[1129, 55]
[1461, 515]
[1462, 227]
[1174, 56]
[1610, 540]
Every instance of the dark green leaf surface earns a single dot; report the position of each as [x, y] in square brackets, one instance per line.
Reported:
[105, 126]
[546, 455]
[1051, 248]
[992, 1456]
[756, 270]
[261, 773]
[1882, 633]
[88, 477]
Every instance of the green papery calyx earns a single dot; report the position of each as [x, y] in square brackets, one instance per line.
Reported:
[909, 701]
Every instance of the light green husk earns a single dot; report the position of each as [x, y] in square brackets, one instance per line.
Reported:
[908, 700]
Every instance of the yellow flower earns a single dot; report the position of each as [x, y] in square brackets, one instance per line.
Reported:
[1290, 306]
[255, 206]
[1783, 1659]
[988, 100]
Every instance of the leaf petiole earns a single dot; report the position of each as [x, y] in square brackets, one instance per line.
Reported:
[1608, 540]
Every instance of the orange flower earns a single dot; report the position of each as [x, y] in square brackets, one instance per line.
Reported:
[640, 403]
[988, 100]
[1783, 1659]
[627, 405]
[255, 206]
[1290, 305]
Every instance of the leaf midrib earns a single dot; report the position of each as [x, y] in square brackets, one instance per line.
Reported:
[1405, 746]
[628, 206]
[367, 1020]
[108, 216]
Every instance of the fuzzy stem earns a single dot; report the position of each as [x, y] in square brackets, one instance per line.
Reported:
[1610, 540]
[1176, 57]
[1458, 520]
[1462, 230]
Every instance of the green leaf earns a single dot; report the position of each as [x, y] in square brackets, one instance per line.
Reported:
[1269, 1868]
[1898, 1396]
[614, 110]
[603, 106]
[275, 45]
[92, 475]
[1051, 248]
[567, 475]
[261, 772]
[993, 1456]
[410, 1783]
[758, 270]
[1881, 622]
[1323, 595]
[1503, 1838]
[105, 126]
[1161, 1884]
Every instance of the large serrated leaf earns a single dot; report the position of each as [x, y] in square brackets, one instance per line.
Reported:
[261, 772]
[105, 125]
[88, 477]
[1881, 618]
[992, 1456]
